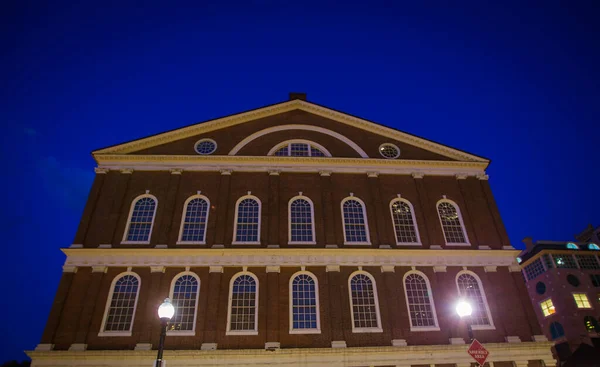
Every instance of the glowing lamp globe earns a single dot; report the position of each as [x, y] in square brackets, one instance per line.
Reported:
[463, 309]
[166, 310]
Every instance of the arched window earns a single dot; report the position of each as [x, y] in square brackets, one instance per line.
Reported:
[471, 290]
[184, 296]
[405, 225]
[556, 330]
[301, 220]
[304, 304]
[420, 302]
[242, 315]
[572, 246]
[299, 148]
[247, 220]
[356, 227]
[591, 324]
[452, 222]
[141, 220]
[121, 305]
[593, 246]
[194, 220]
[364, 303]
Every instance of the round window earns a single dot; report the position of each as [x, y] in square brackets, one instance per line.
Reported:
[573, 280]
[540, 288]
[389, 151]
[206, 146]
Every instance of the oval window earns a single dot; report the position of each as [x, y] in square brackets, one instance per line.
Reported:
[206, 146]
[389, 151]
[573, 280]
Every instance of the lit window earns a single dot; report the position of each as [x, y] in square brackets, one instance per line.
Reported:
[591, 324]
[389, 151]
[364, 303]
[582, 300]
[195, 217]
[299, 148]
[304, 303]
[593, 246]
[243, 300]
[420, 302]
[469, 289]
[519, 260]
[452, 224]
[247, 220]
[184, 295]
[564, 261]
[206, 146]
[548, 307]
[301, 221]
[404, 221]
[121, 305]
[572, 246]
[556, 330]
[356, 229]
[141, 219]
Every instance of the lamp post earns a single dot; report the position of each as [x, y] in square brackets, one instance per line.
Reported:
[165, 313]
[464, 310]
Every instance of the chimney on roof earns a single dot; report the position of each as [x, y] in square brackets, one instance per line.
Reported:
[528, 241]
[300, 96]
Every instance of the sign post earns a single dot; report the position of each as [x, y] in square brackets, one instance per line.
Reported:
[478, 352]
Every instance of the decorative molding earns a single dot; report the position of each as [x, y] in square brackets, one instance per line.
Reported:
[508, 248]
[273, 269]
[417, 174]
[514, 268]
[161, 246]
[483, 177]
[105, 245]
[101, 171]
[512, 339]
[225, 172]
[76, 245]
[218, 246]
[440, 269]
[274, 172]
[272, 345]
[539, 338]
[331, 268]
[208, 346]
[399, 343]
[69, 269]
[289, 257]
[338, 344]
[373, 174]
[176, 171]
[456, 341]
[215, 269]
[386, 247]
[99, 269]
[43, 347]
[461, 176]
[143, 346]
[272, 246]
[331, 246]
[78, 347]
[484, 247]
[388, 269]
[157, 269]
[325, 173]
[490, 269]
[436, 247]
[126, 171]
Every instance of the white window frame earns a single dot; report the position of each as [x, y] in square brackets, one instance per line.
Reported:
[460, 219]
[235, 221]
[542, 308]
[491, 326]
[377, 329]
[364, 208]
[132, 206]
[183, 217]
[103, 332]
[256, 305]
[414, 219]
[171, 292]
[588, 301]
[312, 213]
[436, 327]
[318, 305]
[299, 141]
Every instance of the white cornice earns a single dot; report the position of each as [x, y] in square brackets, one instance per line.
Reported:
[286, 257]
[243, 117]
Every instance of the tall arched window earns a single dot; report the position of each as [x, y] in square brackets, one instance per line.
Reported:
[184, 296]
[247, 220]
[556, 330]
[301, 220]
[141, 219]
[471, 290]
[364, 303]
[405, 224]
[304, 304]
[356, 226]
[194, 220]
[121, 305]
[419, 301]
[242, 315]
[452, 222]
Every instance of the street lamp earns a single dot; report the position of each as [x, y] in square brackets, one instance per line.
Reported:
[464, 310]
[165, 313]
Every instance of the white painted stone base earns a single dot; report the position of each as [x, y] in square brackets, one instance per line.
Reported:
[513, 339]
[540, 338]
[399, 343]
[385, 246]
[143, 346]
[508, 248]
[331, 246]
[436, 247]
[208, 346]
[44, 347]
[272, 345]
[218, 246]
[455, 341]
[338, 344]
[273, 246]
[161, 246]
[105, 245]
[78, 347]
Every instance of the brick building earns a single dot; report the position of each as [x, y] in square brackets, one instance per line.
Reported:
[563, 281]
[291, 234]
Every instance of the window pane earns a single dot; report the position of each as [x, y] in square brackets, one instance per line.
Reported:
[469, 289]
[122, 304]
[141, 220]
[547, 307]
[304, 302]
[403, 222]
[194, 224]
[185, 292]
[364, 308]
[243, 304]
[301, 221]
[451, 224]
[247, 227]
[419, 301]
[534, 269]
[299, 150]
[354, 222]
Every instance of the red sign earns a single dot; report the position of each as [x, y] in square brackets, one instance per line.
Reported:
[478, 352]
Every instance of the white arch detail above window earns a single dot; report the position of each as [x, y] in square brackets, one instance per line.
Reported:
[124, 293]
[295, 230]
[273, 129]
[405, 234]
[184, 304]
[190, 238]
[244, 309]
[248, 215]
[299, 141]
[477, 299]
[353, 234]
[135, 235]
[454, 229]
[423, 307]
[367, 322]
[303, 308]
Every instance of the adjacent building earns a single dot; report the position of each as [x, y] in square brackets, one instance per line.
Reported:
[296, 235]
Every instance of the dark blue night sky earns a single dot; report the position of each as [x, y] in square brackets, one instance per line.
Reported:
[517, 83]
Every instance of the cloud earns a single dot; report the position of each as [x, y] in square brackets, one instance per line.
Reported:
[69, 185]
